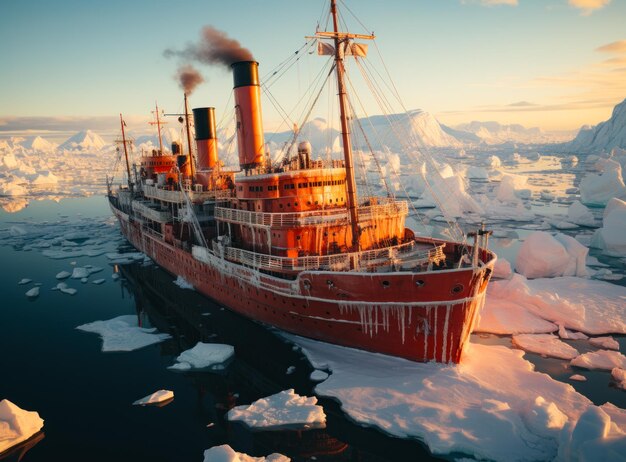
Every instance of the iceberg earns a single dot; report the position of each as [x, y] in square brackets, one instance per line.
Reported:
[16, 424]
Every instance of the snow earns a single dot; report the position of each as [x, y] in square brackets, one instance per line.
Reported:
[601, 359]
[545, 344]
[183, 284]
[204, 355]
[157, 397]
[619, 376]
[16, 424]
[32, 293]
[611, 238]
[492, 406]
[512, 188]
[593, 437]
[543, 255]
[608, 343]
[519, 305]
[82, 141]
[123, 333]
[605, 136]
[283, 410]
[502, 268]
[225, 453]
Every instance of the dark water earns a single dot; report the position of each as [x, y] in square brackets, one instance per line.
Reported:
[85, 395]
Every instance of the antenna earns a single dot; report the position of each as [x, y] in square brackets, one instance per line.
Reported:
[158, 123]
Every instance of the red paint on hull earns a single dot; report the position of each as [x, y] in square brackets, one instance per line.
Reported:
[421, 316]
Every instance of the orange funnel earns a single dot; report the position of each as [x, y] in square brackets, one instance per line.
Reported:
[206, 137]
[248, 110]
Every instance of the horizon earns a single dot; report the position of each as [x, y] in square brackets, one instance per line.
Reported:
[556, 66]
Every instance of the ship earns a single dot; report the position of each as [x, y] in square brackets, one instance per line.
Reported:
[295, 244]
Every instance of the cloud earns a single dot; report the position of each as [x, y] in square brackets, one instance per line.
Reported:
[588, 6]
[491, 2]
[522, 104]
[62, 127]
[617, 48]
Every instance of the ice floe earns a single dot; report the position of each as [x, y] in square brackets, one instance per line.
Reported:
[545, 344]
[543, 255]
[611, 238]
[16, 424]
[619, 376]
[98, 281]
[519, 305]
[157, 397]
[80, 273]
[578, 378]
[203, 356]
[123, 333]
[32, 293]
[492, 406]
[63, 287]
[225, 453]
[25, 281]
[598, 190]
[601, 359]
[283, 410]
[608, 343]
[63, 275]
[579, 214]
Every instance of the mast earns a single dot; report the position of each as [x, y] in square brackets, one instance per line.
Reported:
[122, 123]
[345, 129]
[189, 139]
[158, 123]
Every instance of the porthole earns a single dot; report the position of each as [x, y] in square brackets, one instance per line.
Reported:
[458, 288]
[419, 283]
[386, 284]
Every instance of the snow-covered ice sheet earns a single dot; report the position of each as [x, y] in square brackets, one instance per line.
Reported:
[159, 396]
[545, 344]
[519, 305]
[16, 424]
[123, 333]
[492, 406]
[283, 410]
[203, 356]
[225, 453]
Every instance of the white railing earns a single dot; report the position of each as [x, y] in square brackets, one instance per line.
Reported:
[162, 216]
[395, 255]
[178, 197]
[328, 217]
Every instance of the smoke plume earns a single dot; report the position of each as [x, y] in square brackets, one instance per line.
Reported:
[188, 78]
[214, 47]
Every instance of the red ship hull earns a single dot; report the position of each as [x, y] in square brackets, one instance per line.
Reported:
[420, 316]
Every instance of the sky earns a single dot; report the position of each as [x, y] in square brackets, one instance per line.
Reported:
[74, 64]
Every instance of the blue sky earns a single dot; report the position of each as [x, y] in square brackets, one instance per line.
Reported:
[535, 62]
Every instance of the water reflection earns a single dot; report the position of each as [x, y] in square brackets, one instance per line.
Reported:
[258, 370]
[17, 453]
